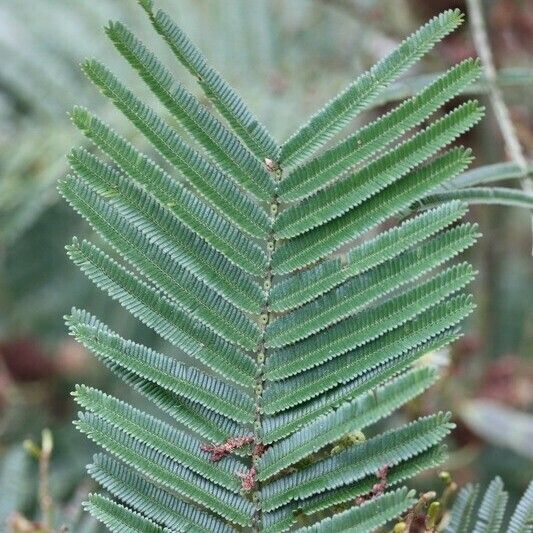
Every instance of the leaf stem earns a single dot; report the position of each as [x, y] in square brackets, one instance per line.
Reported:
[503, 117]
[264, 319]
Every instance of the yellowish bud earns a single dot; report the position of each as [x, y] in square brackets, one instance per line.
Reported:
[356, 437]
[400, 527]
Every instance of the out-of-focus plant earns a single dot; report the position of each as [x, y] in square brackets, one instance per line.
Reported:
[484, 513]
[471, 512]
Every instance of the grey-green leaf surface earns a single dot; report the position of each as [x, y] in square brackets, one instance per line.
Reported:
[270, 335]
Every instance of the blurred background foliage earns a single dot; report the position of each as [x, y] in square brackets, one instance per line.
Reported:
[286, 58]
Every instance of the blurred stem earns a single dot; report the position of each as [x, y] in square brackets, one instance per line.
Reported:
[503, 117]
[45, 497]
[43, 455]
[419, 508]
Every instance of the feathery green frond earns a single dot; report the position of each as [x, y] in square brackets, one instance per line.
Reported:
[199, 419]
[163, 470]
[223, 97]
[220, 143]
[160, 314]
[362, 290]
[476, 512]
[353, 190]
[483, 195]
[492, 508]
[369, 515]
[166, 232]
[355, 415]
[343, 389]
[117, 518]
[159, 268]
[320, 171]
[308, 346]
[214, 185]
[318, 243]
[358, 461]
[284, 517]
[462, 513]
[159, 436]
[299, 388]
[395, 475]
[302, 287]
[170, 194]
[151, 501]
[368, 325]
[207, 406]
[522, 518]
[167, 372]
[344, 107]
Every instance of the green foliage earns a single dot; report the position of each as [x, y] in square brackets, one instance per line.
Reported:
[368, 516]
[289, 348]
[336, 113]
[308, 178]
[476, 513]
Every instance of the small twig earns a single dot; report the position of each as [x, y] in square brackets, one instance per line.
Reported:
[418, 511]
[47, 504]
[503, 117]
[449, 490]
[43, 455]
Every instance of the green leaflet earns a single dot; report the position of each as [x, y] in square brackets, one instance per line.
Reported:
[360, 291]
[163, 470]
[118, 518]
[353, 190]
[522, 518]
[317, 173]
[286, 422]
[223, 97]
[184, 393]
[150, 500]
[340, 110]
[491, 511]
[368, 325]
[299, 388]
[206, 178]
[283, 518]
[489, 174]
[187, 207]
[203, 421]
[214, 185]
[167, 372]
[483, 195]
[318, 243]
[368, 516]
[158, 266]
[221, 144]
[462, 511]
[159, 436]
[164, 230]
[397, 474]
[492, 508]
[158, 313]
[355, 415]
[360, 460]
[302, 287]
